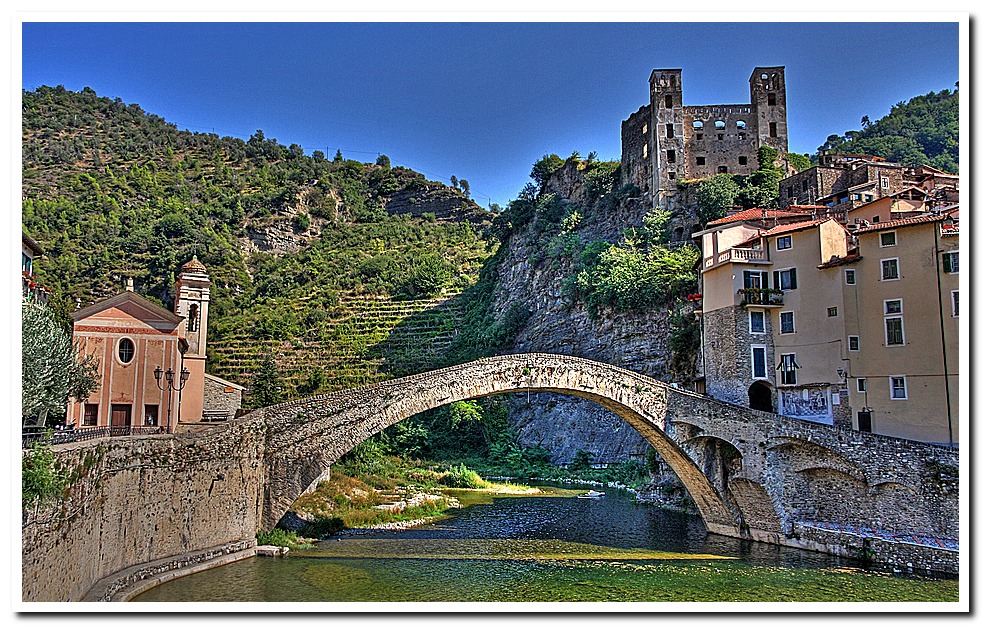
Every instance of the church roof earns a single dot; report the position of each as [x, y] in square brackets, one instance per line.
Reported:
[193, 265]
[122, 298]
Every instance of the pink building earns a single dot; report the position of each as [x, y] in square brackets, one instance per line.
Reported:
[152, 360]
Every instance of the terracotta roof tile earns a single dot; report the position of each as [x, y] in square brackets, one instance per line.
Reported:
[753, 214]
[845, 260]
[898, 223]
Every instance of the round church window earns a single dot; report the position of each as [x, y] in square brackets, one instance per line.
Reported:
[125, 350]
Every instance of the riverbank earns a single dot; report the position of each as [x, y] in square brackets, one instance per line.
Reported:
[393, 493]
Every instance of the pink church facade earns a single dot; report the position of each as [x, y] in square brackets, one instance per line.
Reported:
[151, 360]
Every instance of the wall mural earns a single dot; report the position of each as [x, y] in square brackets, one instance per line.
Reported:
[804, 403]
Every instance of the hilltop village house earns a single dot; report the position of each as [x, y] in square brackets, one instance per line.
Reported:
[852, 325]
[152, 361]
[665, 142]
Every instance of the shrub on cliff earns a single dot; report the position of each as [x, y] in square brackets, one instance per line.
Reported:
[630, 279]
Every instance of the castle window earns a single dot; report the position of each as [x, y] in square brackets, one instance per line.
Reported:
[720, 125]
[771, 99]
[741, 125]
[721, 169]
[671, 175]
[763, 76]
[671, 156]
[697, 124]
[698, 135]
[644, 129]
[719, 137]
[670, 130]
[125, 350]
[700, 160]
[743, 160]
[644, 151]
[743, 136]
[773, 129]
[668, 101]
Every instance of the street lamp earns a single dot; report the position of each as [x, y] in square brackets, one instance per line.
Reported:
[169, 377]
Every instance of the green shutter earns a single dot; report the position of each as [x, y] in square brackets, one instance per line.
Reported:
[794, 278]
[946, 261]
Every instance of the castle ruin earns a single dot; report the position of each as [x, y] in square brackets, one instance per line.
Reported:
[665, 142]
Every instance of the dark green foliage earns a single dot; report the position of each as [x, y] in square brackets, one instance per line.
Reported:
[428, 275]
[301, 222]
[545, 167]
[265, 389]
[714, 196]
[921, 131]
[41, 477]
[323, 526]
[600, 178]
[581, 460]
[683, 343]
[627, 278]
[799, 161]
[462, 477]
[760, 189]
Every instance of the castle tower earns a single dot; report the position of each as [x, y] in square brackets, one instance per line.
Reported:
[667, 133]
[768, 101]
[193, 292]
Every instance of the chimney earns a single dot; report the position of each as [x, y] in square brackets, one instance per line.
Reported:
[129, 284]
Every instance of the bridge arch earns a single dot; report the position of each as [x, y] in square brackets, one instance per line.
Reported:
[304, 438]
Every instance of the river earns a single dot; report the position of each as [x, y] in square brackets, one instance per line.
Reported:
[550, 548]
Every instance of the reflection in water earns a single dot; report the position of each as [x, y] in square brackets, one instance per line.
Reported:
[549, 549]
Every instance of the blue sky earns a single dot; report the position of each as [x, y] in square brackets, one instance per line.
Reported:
[481, 101]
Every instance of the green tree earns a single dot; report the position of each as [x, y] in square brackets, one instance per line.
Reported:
[337, 156]
[465, 187]
[53, 368]
[429, 274]
[714, 196]
[383, 161]
[266, 385]
[545, 167]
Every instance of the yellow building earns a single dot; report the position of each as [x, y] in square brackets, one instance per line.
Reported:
[902, 303]
[796, 313]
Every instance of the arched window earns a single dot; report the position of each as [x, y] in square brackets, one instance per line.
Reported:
[720, 125]
[741, 125]
[193, 318]
[697, 124]
[125, 350]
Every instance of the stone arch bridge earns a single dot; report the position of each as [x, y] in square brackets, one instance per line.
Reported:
[751, 473]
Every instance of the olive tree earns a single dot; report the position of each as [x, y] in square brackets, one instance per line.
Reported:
[53, 367]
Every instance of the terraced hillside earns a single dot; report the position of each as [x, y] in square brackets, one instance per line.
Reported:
[363, 340]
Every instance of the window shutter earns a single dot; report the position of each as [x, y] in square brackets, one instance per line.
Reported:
[763, 278]
[794, 278]
[946, 261]
[777, 279]
[746, 279]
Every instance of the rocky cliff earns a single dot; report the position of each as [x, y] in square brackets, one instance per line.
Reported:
[561, 323]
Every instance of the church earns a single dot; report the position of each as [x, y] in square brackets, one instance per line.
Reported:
[152, 361]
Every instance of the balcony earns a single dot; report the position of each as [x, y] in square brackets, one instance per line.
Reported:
[33, 292]
[761, 298]
[742, 255]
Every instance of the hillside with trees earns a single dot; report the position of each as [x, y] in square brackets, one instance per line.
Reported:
[309, 257]
[921, 131]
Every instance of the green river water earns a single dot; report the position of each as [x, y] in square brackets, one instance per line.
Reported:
[551, 548]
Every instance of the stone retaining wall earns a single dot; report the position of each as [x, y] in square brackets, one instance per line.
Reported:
[898, 557]
[142, 499]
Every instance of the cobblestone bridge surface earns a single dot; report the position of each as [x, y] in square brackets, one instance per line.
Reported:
[751, 473]
[141, 504]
